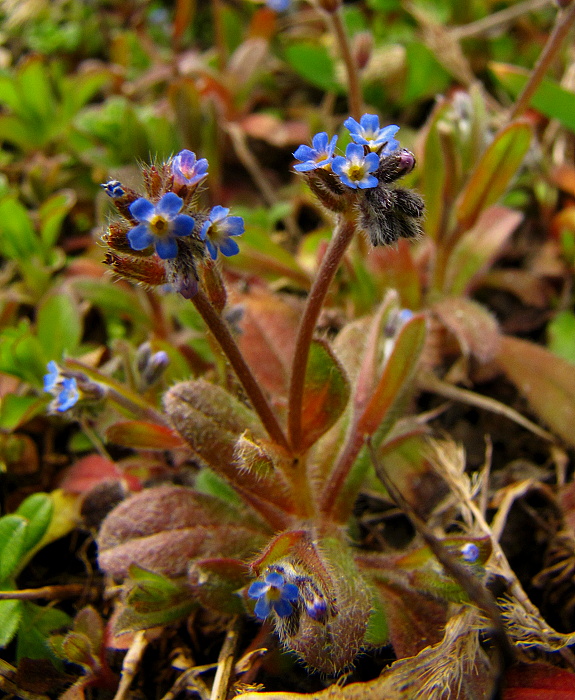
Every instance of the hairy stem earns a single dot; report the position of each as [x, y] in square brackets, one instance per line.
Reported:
[222, 334]
[354, 98]
[319, 289]
[563, 24]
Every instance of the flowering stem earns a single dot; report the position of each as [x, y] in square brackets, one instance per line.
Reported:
[563, 23]
[354, 98]
[222, 334]
[319, 289]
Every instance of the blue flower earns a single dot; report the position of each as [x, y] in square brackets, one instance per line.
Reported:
[470, 552]
[278, 5]
[368, 133]
[354, 169]
[64, 389]
[114, 189]
[160, 224]
[187, 170]
[218, 229]
[273, 594]
[318, 155]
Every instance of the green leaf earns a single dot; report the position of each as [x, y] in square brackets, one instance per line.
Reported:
[550, 99]
[325, 394]
[59, 326]
[16, 410]
[561, 335]
[36, 625]
[52, 213]
[17, 237]
[113, 300]
[493, 172]
[314, 63]
[12, 544]
[10, 616]
[38, 510]
[434, 176]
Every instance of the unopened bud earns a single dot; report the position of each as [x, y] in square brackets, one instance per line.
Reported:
[155, 368]
[362, 48]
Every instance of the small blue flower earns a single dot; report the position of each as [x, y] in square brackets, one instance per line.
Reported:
[368, 133]
[160, 224]
[68, 396]
[273, 594]
[354, 169]
[53, 377]
[318, 155]
[114, 189]
[187, 170]
[218, 229]
[470, 552]
[278, 5]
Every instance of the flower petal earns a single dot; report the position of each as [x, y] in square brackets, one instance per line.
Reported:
[304, 153]
[257, 589]
[290, 592]
[142, 210]
[213, 251]
[275, 579]
[235, 226]
[282, 607]
[183, 225]
[166, 248]
[218, 213]
[229, 247]
[140, 237]
[263, 608]
[169, 205]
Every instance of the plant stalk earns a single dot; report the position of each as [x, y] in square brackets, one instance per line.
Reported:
[355, 99]
[222, 334]
[327, 269]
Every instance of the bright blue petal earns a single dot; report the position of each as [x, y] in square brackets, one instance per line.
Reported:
[213, 251]
[169, 205]
[304, 153]
[370, 123]
[282, 607]
[68, 396]
[290, 592]
[352, 126]
[235, 226]
[470, 552]
[337, 165]
[257, 589]
[166, 248]
[371, 162]
[319, 142]
[204, 230]
[275, 579]
[346, 181]
[140, 237]
[353, 152]
[218, 213]
[142, 210]
[368, 182]
[229, 247]
[263, 608]
[51, 378]
[183, 225]
[331, 146]
[305, 167]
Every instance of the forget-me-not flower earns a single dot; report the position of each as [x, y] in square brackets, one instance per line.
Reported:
[64, 389]
[470, 552]
[354, 170]
[187, 170]
[218, 229]
[367, 133]
[160, 224]
[278, 5]
[114, 189]
[273, 594]
[318, 155]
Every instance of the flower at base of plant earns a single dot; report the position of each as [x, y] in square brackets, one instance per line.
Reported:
[354, 170]
[187, 170]
[367, 132]
[470, 552]
[278, 5]
[318, 155]
[160, 224]
[273, 594]
[218, 230]
[64, 389]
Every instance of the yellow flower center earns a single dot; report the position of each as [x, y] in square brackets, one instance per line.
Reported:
[159, 226]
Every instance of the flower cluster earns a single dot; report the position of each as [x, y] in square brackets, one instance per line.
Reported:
[68, 388]
[362, 179]
[163, 236]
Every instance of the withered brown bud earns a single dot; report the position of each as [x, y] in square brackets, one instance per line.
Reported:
[362, 48]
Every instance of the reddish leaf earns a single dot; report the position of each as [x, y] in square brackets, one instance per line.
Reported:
[139, 434]
[89, 472]
[326, 392]
[539, 681]
[547, 381]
